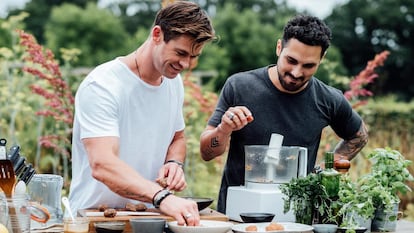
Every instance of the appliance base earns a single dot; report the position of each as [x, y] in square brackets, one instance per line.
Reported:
[241, 199]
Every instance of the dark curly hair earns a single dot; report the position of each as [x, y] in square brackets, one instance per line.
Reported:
[309, 30]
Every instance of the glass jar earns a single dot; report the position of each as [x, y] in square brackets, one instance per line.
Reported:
[15, 213]
[45, 190]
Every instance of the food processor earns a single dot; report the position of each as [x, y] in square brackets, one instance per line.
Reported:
[266, 168]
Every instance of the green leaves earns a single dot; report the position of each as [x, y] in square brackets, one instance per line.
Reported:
[390, 168]
[304, 195]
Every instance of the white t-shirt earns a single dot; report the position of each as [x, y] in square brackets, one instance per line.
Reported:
[113, 101]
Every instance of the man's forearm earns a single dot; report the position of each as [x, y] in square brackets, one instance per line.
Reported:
[350, 148]
[213, 142]
[177, 149]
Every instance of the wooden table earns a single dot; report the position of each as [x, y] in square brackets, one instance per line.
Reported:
[206, 214]
[403, 226]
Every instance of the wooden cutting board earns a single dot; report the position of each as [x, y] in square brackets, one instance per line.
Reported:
[206, 214]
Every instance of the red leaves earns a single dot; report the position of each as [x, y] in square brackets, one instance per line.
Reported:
[53, 88]
[366, 76]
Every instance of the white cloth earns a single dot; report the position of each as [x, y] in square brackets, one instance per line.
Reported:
[113, 101]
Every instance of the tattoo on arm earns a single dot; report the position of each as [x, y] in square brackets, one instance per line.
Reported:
[208, 151]
[350, 148]
[214, 142]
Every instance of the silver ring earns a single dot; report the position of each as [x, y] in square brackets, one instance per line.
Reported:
[188, 215]
[230, 116]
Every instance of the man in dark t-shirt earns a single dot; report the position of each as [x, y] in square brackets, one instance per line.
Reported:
[285, 99]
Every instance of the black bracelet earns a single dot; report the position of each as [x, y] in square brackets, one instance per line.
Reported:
[159, 197]
[175, 161]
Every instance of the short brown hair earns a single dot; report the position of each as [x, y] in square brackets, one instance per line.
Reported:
[185, 18]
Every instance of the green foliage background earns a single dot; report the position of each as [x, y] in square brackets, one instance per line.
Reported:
[100, 36]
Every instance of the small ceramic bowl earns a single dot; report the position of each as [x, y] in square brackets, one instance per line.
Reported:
[253, 217]
[324, 228]
[202, 202]
[357, 230]
[109, 227]
[147, 225]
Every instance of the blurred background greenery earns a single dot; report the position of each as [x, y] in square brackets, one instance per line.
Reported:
[80, 35]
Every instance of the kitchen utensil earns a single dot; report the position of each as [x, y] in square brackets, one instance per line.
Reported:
[14, 213]
[206, 226]
[202, 202]
[254, 217]
[7, 184]
[13, 154]
[324, 228]
[273, 156]
[147, 225]
[356, 229]
[66, 203]
[109, 227]
[261, 192]
[3, 148]
[46, 190]
[122, 213]
[76, 225]
[7, 177]
[39, 213]
[289, 227]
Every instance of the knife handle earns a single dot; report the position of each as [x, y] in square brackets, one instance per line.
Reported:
[14, 153]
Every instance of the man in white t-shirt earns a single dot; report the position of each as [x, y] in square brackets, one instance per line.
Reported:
[129, 129]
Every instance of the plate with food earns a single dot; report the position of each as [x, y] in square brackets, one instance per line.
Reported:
[206, 226]
[269, 227]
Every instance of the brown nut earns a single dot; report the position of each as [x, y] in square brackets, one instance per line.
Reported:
[162, 182]
[102, 207]
[110, 213]
[140, 207]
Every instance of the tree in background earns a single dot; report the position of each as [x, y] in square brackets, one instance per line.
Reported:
[39, 11]
[363, 28]
[98, 33]
[248, 42]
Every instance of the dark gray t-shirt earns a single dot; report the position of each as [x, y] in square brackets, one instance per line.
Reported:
[300, 118]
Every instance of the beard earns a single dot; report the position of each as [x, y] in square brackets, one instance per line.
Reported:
[289, 82]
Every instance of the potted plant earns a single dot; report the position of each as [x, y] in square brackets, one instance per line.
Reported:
[305, 195]
[389, 174]
[356, 203]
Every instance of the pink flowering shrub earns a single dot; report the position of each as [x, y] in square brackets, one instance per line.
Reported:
[357, 91]
[54, 89]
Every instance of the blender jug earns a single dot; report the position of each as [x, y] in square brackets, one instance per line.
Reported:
[46, 189]
[285, 163]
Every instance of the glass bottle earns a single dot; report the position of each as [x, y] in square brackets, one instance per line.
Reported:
[329, 176]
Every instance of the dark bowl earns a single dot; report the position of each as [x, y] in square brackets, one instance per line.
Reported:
[357, 230]
[253, 217]
[109, 227]
[202, 202]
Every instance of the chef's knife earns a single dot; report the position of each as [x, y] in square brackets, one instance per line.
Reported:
[3, 148]
[14, 153]
[19, 165]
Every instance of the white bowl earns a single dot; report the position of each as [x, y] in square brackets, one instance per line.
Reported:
[206, 226]
[324, 228]
[289, 227]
